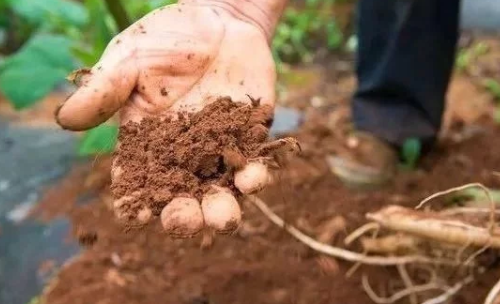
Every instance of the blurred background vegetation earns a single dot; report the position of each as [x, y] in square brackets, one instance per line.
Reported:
[42, 41]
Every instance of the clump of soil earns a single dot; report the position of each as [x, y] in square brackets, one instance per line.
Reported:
[186, 156]
[87, 238]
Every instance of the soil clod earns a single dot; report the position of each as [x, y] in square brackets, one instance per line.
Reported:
[160, 159]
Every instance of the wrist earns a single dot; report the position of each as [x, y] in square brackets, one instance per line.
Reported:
[264, 14]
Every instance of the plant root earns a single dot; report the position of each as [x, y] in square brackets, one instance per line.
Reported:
[408, 282]
[341, 253]
[492, 297]
[391, 244]
[428, 248]
[398, 295]
[463, 187]
[450, 292]
[359, 232]
[432, 226]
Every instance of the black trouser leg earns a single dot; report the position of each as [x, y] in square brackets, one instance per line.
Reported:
[406, 52]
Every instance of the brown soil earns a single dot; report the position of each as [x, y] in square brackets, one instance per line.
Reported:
[261, 263]
[163, 159]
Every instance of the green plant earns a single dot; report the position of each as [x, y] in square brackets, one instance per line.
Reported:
[493, 86]
[101, 139]
[45, 40]
[302, 29]
[33, 72]
[410, 153]
[466, 56]
[473, 197]
[34, 300]
[41, 32]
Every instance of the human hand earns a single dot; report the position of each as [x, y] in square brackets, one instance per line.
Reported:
[177, 58]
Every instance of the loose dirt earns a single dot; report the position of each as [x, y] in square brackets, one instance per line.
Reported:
[163, 159]
[261, 263]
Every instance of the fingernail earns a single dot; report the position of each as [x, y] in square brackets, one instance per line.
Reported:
[78, 77]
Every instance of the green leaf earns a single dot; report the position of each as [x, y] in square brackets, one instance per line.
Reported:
[334, 35]
[473, 196]
[99, 34]
[99, 140]
[32, 10]
[73, 12]
[137, 9]
[481, 48]
[496, 115]
[26, 84]
[410, 153]
[493, 86]
[43, 11]
[463, 59]
[34, 300]
[159, 3]
[87, 57]
[36, 69]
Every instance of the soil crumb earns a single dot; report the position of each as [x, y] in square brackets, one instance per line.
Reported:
[87, 238]
[186, 156]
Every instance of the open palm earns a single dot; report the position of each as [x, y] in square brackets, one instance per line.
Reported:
[180, 57]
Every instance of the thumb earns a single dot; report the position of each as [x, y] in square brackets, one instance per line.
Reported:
[104, 89]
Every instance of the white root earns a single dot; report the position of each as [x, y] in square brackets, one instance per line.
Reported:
[413, 228]
[339, 252]
[493, 294]
[450, 292]
[390, 244]
[467, 210]
[434, 227]
[491, 225]
[398, 295]
[359, 232]
[478, 252]
[408, 282]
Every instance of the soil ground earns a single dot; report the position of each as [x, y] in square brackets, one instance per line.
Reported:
[262, 263]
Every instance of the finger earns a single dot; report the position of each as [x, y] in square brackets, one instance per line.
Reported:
[125, 210]
[252, 178]
[182, 217]
[104, 89]
[221, 211]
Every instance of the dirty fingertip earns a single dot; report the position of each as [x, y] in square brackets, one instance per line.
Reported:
[221, 211]
[182, 217]
[252, 178]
